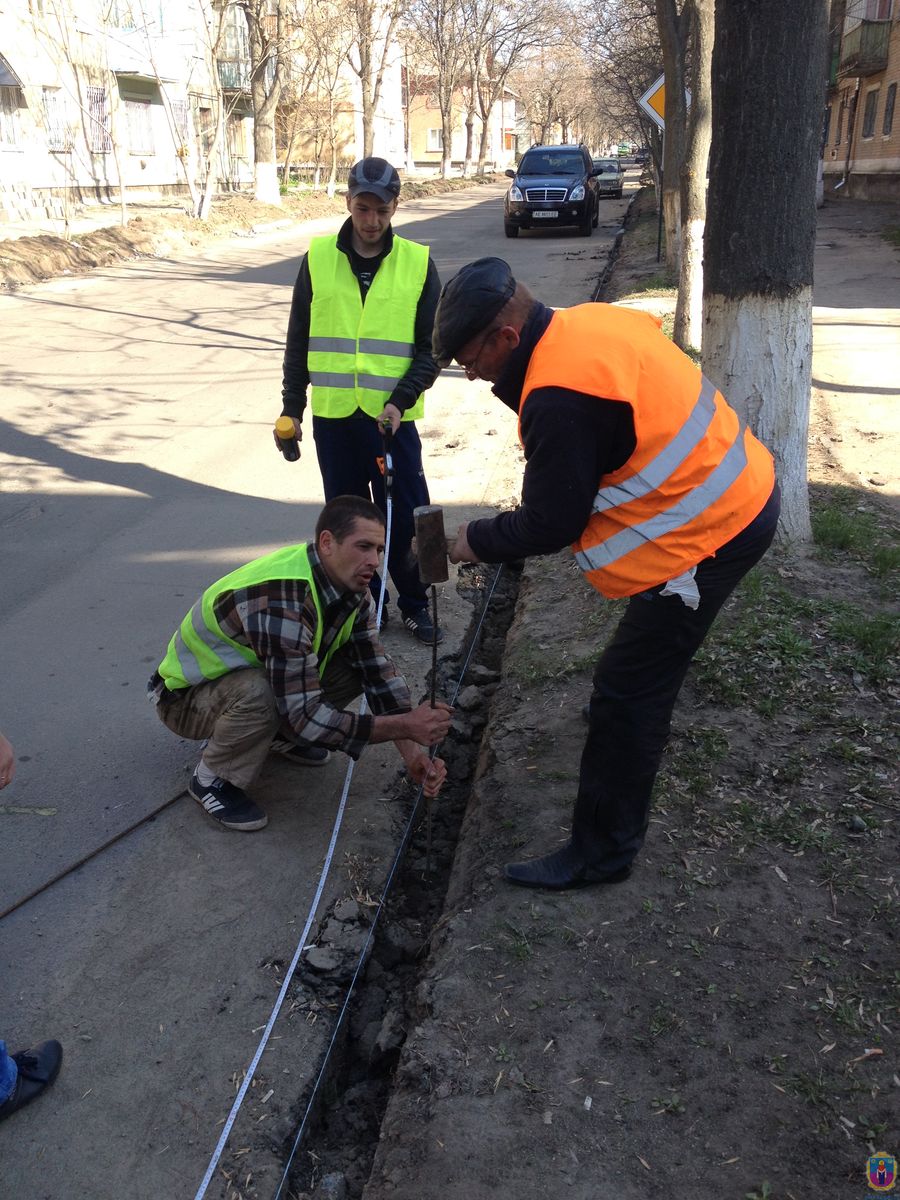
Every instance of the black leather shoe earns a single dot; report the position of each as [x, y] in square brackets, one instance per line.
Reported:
[564, 868]
[37, 1069]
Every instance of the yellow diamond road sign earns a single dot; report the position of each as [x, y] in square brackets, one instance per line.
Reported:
[653, 101]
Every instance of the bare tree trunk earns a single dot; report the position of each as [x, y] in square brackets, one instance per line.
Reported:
[482, 147]
[760, 232]
[289, 147]
[672, 30]
[266, 73]
[470, 141]
[209, 184]
[446, 142]
[689, 305]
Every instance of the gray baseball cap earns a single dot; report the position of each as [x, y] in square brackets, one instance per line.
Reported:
[374, 175]
[468, 304]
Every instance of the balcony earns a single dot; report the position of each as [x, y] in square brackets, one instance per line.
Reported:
[143, 55]
[234, 74]
[864, 48]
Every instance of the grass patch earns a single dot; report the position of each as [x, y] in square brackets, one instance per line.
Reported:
[659, 284]
[843, 524]
[779, 647]
[891, 233]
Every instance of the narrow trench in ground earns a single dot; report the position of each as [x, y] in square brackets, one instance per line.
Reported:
[336, 1154]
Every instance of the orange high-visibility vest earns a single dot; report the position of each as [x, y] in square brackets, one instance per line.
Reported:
[696, 477]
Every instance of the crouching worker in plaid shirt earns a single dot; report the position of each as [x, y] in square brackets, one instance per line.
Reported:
[270, 656]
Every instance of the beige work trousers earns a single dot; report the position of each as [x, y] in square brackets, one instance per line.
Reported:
[238, 715]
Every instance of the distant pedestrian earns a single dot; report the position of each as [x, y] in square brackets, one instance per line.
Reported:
[638, 462]
[27, 1073]
[360, 332]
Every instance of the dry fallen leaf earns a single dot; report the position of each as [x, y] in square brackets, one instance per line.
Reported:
[867, 1054]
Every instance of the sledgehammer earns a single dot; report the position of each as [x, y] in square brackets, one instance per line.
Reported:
[431, 549]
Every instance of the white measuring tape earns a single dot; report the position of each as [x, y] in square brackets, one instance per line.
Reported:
[323, 875]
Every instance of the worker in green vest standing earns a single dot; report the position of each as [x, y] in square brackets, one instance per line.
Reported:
[269, 657]
[360, 333]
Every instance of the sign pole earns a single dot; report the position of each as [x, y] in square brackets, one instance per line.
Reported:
[653, 102]
[659, 225]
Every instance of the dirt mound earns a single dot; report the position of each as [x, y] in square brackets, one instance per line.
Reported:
[155, 233]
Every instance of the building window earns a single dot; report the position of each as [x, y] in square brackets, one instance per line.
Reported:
[237, 141]
[205, 125]
[434, 141]
[868, 125]
[180, 120]
[121, 15]
[140, 126]
[137, 14]
[889, 101]
[98, 106]
[55, 119]
[11, 101]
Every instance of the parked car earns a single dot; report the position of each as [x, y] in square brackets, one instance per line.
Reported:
[610, 176]
[552, 185]
[642, 158]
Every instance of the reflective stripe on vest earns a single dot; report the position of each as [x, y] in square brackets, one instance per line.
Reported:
[358, 352]
[695, 479]
[201, 651]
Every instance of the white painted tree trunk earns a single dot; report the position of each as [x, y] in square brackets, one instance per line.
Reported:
[266, 183]
[672, 222]
[690, 284]
[758, 352]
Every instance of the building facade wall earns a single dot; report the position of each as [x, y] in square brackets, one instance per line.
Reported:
[861, 149]
[103, 100]
[504, 136]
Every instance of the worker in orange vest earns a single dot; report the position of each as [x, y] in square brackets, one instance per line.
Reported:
[638, 462]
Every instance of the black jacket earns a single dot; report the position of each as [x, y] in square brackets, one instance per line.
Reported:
[570, 440]
[423, 370]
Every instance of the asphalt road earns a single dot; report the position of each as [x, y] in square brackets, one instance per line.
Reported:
[137, 465]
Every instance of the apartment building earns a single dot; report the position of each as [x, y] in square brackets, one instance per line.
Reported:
[506, 130]
[861, 140]
[96, 95]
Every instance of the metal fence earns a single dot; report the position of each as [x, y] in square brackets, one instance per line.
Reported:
[305, 172]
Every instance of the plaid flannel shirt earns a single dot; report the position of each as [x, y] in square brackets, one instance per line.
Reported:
[277, 620]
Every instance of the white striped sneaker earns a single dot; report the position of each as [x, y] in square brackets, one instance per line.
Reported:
[228, 805]
[303, 753]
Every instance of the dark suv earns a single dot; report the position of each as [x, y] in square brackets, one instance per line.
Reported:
[553, 185]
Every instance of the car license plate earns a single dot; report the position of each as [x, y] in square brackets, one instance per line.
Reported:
[546, 213]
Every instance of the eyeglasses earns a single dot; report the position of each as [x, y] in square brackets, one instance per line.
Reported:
[471, 369]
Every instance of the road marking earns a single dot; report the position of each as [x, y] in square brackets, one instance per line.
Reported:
[37, 812]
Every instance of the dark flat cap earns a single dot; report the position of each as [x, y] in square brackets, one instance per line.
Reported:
[468, 304]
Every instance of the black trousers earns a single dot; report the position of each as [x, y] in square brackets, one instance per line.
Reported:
[636, 684]
[348, 449]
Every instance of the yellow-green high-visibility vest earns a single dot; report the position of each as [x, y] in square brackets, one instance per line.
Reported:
[200, 651]
[358, 352]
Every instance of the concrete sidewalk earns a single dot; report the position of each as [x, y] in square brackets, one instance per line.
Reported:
[856, 346]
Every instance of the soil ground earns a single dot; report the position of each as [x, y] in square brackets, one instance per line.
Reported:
[723, 1024]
